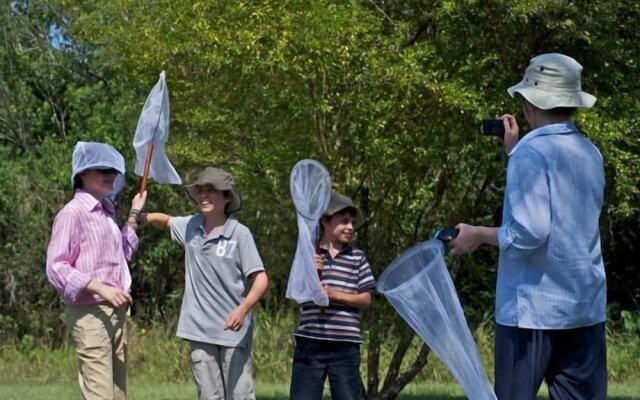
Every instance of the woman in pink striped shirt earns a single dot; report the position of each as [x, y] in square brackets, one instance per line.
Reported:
[87, 264]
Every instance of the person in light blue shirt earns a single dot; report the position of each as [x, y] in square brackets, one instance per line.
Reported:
[551, 288]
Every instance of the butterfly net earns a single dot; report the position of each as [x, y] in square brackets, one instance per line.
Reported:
[310, 185]
[420, 289]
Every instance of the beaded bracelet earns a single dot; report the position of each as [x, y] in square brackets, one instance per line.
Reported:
[135, 214]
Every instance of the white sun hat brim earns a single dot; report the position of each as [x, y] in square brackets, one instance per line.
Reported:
[552, 81]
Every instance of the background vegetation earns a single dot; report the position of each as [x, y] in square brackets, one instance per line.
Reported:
[387, 94]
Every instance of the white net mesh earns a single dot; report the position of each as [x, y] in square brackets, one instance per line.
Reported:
[310, 185]
[153, 127]
[90, 155]
[419, 287]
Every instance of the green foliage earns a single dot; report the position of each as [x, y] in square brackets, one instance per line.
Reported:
[630, 321]
[388, 95]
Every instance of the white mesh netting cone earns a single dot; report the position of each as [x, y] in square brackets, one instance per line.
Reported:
[153, 126]
[310, 185]
[420, 289]
[88, 155]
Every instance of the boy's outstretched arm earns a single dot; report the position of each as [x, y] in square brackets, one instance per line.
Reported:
[259, 287]
[360, 300]
[157, 220]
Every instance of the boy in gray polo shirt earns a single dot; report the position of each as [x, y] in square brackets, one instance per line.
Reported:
[220, 260]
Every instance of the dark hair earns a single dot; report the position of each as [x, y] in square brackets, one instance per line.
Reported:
[563, 111]
[77, 183]
[227, 195]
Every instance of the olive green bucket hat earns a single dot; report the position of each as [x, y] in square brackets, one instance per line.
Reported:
[220, 180]
[339, 203]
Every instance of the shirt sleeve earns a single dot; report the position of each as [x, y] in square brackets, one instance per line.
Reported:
[62, 253]
[178, 228]
[130, 241]
[527, 193]
[366, 283]
[250, 260]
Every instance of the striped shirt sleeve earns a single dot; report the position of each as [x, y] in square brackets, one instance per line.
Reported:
[366, 283]
[62, 252]
[130, 241]
[127, 233]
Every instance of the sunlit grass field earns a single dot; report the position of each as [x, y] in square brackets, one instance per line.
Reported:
[159, 367]
[264, 391]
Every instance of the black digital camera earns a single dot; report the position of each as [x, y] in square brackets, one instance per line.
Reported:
[492, 127]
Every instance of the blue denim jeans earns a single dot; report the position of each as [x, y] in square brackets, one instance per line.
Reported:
[314, 360]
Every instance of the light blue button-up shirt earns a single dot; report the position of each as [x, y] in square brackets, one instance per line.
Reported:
[550, 271]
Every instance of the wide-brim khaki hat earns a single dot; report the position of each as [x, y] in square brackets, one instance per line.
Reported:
[340, 202]
[220, 180]
[552, 81]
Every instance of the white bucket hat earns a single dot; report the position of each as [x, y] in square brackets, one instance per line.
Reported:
[553, 80]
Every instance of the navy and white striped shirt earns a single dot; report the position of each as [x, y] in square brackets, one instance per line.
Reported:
[550, 273]
[348, 272]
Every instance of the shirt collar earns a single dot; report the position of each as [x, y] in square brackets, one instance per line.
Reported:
[347, 248]
[87, 200]
[228, 229]
[551, 129]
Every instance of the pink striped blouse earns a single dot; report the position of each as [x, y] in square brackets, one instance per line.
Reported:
[87, 244]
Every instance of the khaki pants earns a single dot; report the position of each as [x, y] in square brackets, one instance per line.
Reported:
[98, 332]
[222, 372]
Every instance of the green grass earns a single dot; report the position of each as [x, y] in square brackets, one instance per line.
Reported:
[159, 367]
[186, 391]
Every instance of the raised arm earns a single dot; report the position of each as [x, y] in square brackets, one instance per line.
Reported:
[129, 237]
[157, 220]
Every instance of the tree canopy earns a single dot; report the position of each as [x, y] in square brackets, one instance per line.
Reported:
[387, 94]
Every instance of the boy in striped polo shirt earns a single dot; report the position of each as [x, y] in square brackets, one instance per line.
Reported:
[328, 338]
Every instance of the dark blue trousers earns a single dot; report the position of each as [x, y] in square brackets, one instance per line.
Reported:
[573, 363]
[314, 360]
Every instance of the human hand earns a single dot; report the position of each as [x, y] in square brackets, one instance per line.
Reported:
[468, 240]
[319, 263]
[114, 296]
[332, 294]
[235, 319]
[511, 132]
[138, 201]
